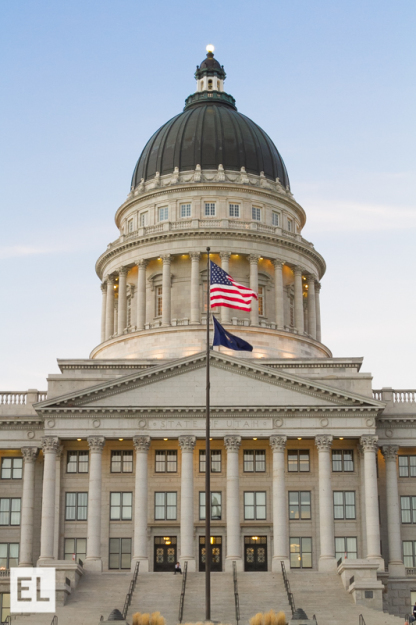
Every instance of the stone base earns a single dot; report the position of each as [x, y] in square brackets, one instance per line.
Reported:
[379, 560]
[191, 564]
[93, 564]
[144, 565]
[397, 569]
[359, 577]
[67, 575]
[326, 565]
[276, 564]
[229, 564]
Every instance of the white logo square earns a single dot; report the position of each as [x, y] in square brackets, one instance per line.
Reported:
[32, 590]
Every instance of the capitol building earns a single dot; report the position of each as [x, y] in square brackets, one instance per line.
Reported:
[310, 465]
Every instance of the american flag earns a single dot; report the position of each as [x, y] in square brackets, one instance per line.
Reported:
[224, 291]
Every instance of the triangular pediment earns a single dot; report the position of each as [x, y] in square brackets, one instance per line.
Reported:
[235, 383]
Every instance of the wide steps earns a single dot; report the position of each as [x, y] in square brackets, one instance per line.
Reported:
[157, 592]
[261, 592]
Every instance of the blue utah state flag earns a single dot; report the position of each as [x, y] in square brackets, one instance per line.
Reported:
[222, 337]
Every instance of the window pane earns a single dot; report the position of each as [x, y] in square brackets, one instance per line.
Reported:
[260, 506]
[304, 461]
[215, 506]
[71, 462]
[160, 462]
[305, 500]
[249, 506]
[349, 505]
[15, 512]
[337, 460]
[3, 556]
[405, 507]
[339, 547]
[293, 505]
[6, 468]
[172, 461]
[348, 461]
[412, 462]
[403, 466]
[275, 219]
[306, 560]
[202, 506]
[83, 462]
[351, 548]
[338, 505]
[127, 461]
[127, 506]
[116, 461]
[114, 561]
[216, 461]
[292, 460]
[260, 460]
[202, 463]
[70, 506]
[171, 506]
[17, 468]
[69, 548]
[248, 461]
[115, 499]
[295, 558]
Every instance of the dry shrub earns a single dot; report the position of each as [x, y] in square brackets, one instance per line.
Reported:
[145, 620]
[257, 619]
[136, 618]
[280, 618]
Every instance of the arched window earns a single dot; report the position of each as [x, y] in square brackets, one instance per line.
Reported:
[210, 84]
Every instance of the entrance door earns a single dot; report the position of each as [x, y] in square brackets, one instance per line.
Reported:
[255, 553]
[165, 554]
[216, 553]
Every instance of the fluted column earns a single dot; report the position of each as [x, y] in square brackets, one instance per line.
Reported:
[396, 566]
[370, 447]
[103, 310]
[311, 306]
[28, 499]
[93, 560]
[141, 294]
[109, 316]
[327, 560]
[299, 301]
[50, 447]
[362, 502]
[140, 549]
[254, 285]
[280, 513]
[58, 462]
[232, 445]
[166, 287]
[122, 300]
[318, 312]
[187, 444]
[279, 294]
[225, 262]
[195, 308]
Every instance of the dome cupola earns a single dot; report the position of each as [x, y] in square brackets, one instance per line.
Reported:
[210, 75]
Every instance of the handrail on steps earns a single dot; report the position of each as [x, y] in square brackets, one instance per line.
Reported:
[361, 620]
[182, 597]
[236, 597]
[130, 592]
[287, 586]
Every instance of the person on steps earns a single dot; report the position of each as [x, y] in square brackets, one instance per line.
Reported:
[178, 568]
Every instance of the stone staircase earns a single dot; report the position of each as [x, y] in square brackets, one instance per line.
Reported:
[157, 592]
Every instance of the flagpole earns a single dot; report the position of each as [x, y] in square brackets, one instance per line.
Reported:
[208, 466]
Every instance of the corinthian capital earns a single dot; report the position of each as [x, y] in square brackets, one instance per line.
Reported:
[390, 452]
[122, 271]
[187, 443]
[323, 443]
[225, 255]
[29, 453]
[369, 443]
[194, 255]
[142, 263]
[166, 259]
[141, 443]
[278, 443]
[278, 263]
[50, 444]
[254, 259]
[298, 270]
[96, 443]
[232, 443]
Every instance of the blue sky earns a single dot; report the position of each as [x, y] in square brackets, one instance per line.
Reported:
[85, 84]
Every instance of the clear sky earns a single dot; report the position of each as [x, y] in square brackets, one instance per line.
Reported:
[85, 83]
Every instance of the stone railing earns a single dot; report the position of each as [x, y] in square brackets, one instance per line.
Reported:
[397, 396]
[4, 573]
[21, 398]
[410, 572]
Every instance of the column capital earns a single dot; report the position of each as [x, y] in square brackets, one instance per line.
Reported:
[96, 443]
[278, 443]
[195, 255]
[110, 280]
[369, 443]
[254, 259]
[298, 271]
[142, 263]
[141, 443]
[324, 442]
[187, 443]
[166, 259]
[29, 453]
[317, 286]
[104, 286]
[311, 278]
[60, 452]
[122, 271]
[225, 255]
[278, 263]
[232, 443]
[390, 452]
[50, 444]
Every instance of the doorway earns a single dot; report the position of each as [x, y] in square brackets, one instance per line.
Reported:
[216, 553]
[255, 553]
[165, 556]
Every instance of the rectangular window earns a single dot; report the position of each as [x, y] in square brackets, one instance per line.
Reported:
[165, 506]
[409, 552]
[290, 225]
[408, 509]
[166, 461]
[76, 506]
[10, 511]
[299, 505]
[344, 505]
[163, 213]
[256, 213]
[234, 210]
[121, 505]
[255, 506]
[11, 468]
[209, 209]
[346, 546]
[4, 606]
[215, 506]
[300, 553]
[75, 547]
[298, 460]
[9, 555]
[407, 466]
[121, 461]
[342, 460]
[159, 301]
[260, 299]
[130, 225]
[215, 461]
[143, 219]
[119, 553]
[185, 210]
[254, 460]
[275, 218]
[77, 461]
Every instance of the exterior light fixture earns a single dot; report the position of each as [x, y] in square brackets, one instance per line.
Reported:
[210, 48]
[121, 439]
[254, 538]
[341, 438]
[165, 439]
[210, 439]
[212, 540]
[79, 439]
[299, 438]
[254, 439]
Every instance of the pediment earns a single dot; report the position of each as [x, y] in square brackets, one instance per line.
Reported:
[235, 383]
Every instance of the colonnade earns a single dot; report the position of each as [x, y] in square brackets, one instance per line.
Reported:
[107, 311]
[370, 515]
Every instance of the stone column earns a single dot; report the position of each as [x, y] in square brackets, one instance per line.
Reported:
[50, 447]
[396, 566]
[311, 306]
[318, 312]
[166, 287]
[232, 444]
[280, 512]
[225, 312]
[140, 549]
[254, 286]
[28, 498]
[279, 293]
[299, 301]
[369, 444]
[109, 316]
[187, 444]
[122, 300]
[93, 560]
[327, 560]
[195, 308]
[141, 294]
[59, 455]
[103, 310]
[362, 502]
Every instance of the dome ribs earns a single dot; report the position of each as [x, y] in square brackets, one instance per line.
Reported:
[199, 137]
[232, 143]
[178, 149]
[187, 142]
[254, 160]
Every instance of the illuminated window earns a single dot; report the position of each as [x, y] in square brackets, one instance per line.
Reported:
[163, 213]
[159, 301]
[300, 553]
[256, 213]
[234, 210]
[209, 209]
[185, 210]
[260, 299]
